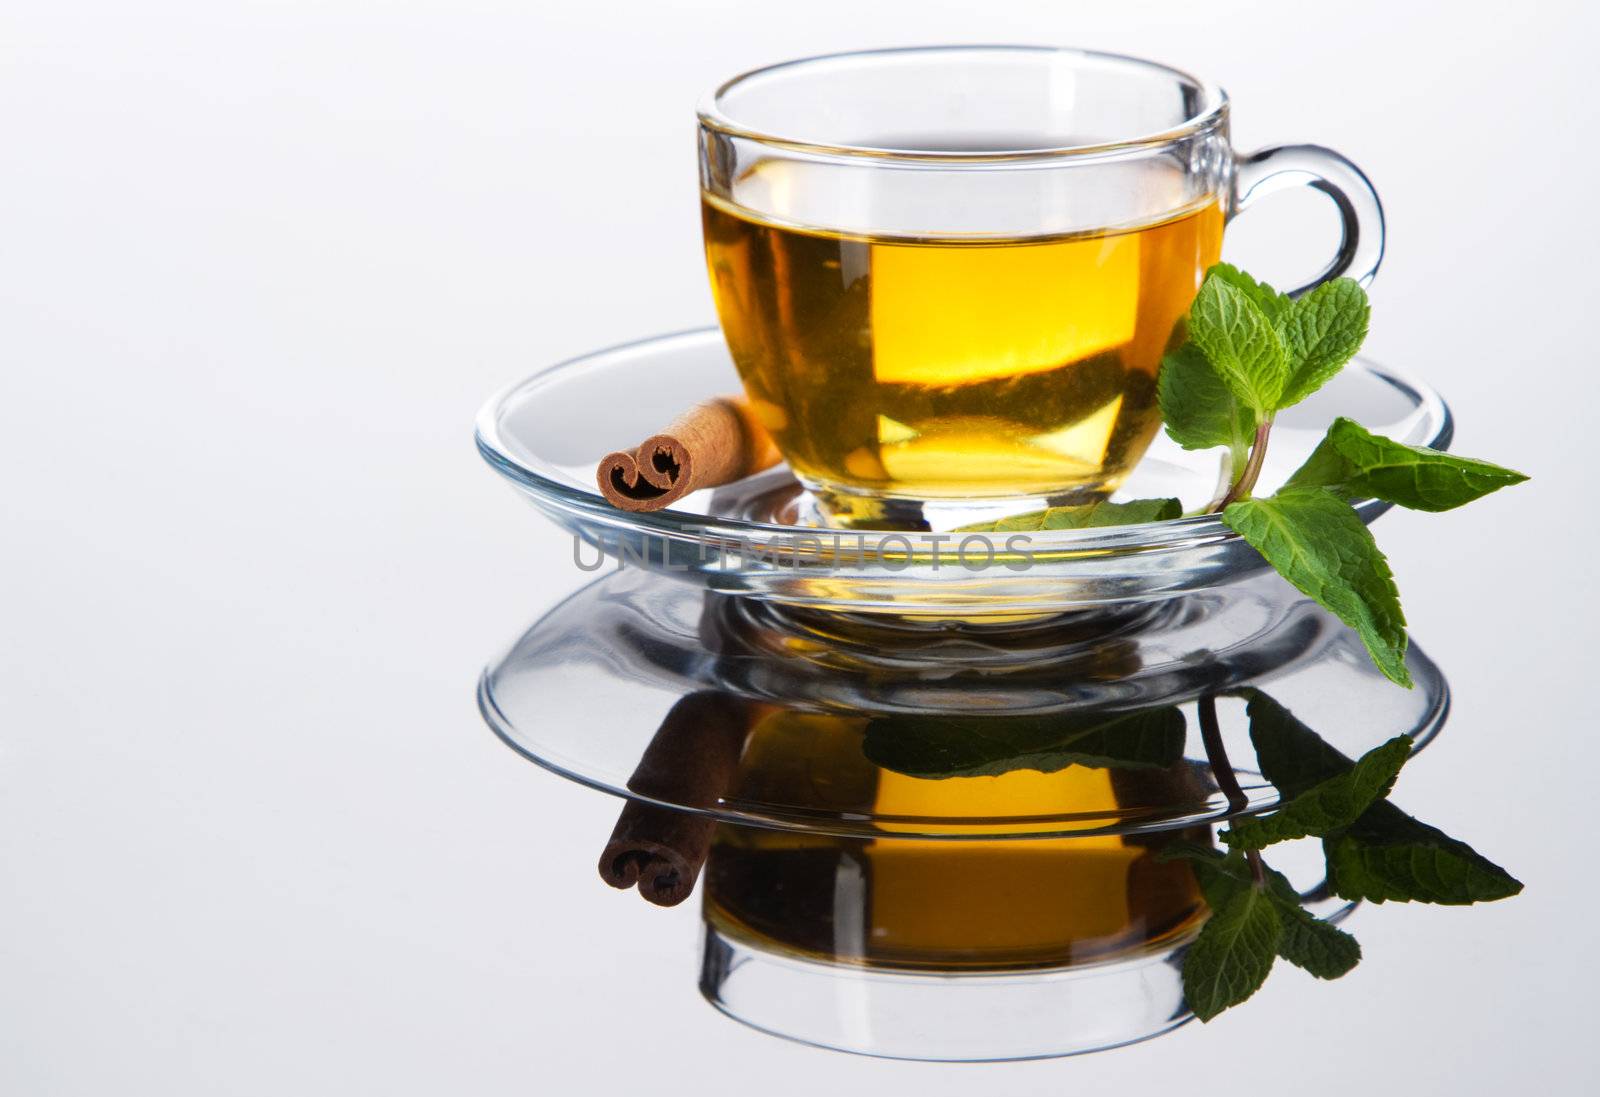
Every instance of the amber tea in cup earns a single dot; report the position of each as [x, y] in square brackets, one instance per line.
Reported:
[950, 368]
[948, 276]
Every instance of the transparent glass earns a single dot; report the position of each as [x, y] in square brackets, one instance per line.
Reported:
[951, 273]
[981, 952]
[866, 727]
[943, 1017]
[546, 433]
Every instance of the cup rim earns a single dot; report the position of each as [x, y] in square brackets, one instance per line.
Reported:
[1213, 109]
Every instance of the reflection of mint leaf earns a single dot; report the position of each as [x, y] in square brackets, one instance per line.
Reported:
[1308, 942]
[1290, 755]
[1388, 855]
[1317, 541]
[1240, 343]
[1198, 409]
[1329, 806]
[1357, 463]
[1087, 516]
[1316, 946]
[987, 746]
[1321, 332]
[1220, 875]
[1231, 957]
[1273, 305]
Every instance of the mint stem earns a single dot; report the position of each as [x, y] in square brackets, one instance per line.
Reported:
[1252, 468]
[1217, 754]
[1222, 769]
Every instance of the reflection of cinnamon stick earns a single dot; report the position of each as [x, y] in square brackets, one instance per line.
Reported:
[659, 849]
[692, 761]
[712, 443]
[1186, 786]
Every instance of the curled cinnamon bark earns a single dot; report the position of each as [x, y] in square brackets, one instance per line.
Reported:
[713, 443]
[692, 761]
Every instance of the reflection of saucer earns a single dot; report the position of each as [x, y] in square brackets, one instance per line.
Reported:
[546, 434]
[956, 731]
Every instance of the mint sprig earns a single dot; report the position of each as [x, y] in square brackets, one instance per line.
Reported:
[1253, 352]
[1250, 353]
[1373, 850]
[1312, 944]
[1385, 855]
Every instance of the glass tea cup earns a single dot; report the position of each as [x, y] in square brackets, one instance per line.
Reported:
[948, 275]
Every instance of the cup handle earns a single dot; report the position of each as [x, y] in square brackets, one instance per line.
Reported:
[1360, 213]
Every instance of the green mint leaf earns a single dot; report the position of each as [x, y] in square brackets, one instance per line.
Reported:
[1356, 463]
[1197, 407]
[1231, 957]
[1315, 946]
[1087, 516]
[1321, 332]
[1273, 305]
[1327, 807]
[1240, 342]
[937, 747]
[1388, 855]
[1317, 541]
[1327, 467]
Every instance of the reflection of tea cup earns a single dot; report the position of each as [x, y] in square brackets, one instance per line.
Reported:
[947, 950]
[951, 273]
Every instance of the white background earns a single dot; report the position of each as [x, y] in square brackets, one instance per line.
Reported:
[259, 264]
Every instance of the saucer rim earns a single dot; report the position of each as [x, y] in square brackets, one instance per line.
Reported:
[1113, 823]
[670, 522]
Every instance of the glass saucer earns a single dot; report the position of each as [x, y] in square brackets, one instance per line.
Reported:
[877, 727]
[546, 434]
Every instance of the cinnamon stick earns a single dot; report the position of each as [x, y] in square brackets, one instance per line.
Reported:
[692, 761]
[713, 443]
